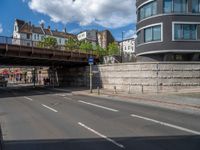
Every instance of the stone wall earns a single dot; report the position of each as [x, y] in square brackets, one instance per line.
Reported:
[146, 77]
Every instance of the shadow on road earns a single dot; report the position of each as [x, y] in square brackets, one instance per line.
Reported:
[130, 143]
[31, 91]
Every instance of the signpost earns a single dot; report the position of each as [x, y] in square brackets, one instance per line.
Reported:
[91, 62]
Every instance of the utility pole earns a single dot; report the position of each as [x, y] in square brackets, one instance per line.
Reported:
[34, 77]
[91, 62]
[122, 47]
[90, 78]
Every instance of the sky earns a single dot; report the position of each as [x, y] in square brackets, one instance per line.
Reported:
[76, 15]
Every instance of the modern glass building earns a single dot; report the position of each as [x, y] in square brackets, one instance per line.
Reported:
[168, 30]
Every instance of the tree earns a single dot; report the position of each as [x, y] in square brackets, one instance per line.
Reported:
[72, 44]
[113, 49]
[99, 51]
[86, 46]
[48, 42]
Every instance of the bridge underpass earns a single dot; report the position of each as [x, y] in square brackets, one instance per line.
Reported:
[17, 52]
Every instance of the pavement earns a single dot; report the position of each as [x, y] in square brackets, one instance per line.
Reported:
[60, 119]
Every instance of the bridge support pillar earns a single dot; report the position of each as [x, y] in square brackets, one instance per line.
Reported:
[53, 76]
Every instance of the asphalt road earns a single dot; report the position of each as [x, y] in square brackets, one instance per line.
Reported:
[52, 119]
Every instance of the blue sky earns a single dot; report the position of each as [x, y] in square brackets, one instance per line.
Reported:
[115, 15]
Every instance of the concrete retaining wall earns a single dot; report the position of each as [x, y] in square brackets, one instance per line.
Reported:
[147, 77]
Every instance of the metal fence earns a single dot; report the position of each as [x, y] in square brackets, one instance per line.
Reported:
[35, 44]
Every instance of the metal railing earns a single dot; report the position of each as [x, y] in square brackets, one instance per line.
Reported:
[37, 44]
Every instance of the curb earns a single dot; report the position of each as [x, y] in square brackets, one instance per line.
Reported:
[146, 100]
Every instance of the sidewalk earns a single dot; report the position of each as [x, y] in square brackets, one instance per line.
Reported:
[185, 101]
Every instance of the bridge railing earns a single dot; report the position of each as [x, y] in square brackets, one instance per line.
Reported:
[35, 44]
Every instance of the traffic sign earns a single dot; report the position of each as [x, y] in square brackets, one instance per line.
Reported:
[91, 60]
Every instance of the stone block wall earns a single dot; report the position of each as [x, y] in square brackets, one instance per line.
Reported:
[147, 77]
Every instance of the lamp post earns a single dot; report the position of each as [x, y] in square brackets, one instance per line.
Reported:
[122, 47]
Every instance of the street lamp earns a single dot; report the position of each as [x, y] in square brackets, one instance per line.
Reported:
[122, 47]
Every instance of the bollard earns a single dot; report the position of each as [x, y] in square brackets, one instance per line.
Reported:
[142, 88]
[129, 89]
[98, 90]
[115, 90]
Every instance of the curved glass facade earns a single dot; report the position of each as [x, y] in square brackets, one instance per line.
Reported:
[169, 6]
[195, 6]
[149, 9]
[172, 33]
[175, 6]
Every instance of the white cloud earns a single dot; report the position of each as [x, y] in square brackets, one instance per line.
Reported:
[1, 28]
[41, 22]
[24, 1]
[75, 31]
[106, 13]
[130, 34]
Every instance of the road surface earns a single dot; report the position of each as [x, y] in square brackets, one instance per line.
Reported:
[43, 118]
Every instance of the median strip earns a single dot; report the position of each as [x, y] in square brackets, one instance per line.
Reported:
[101, 135]
[28, 98]
[167, 124]
[99, 106]
[49, 108]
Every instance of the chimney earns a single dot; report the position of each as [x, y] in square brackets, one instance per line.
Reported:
[49, 28]
[65, 30]
[29, 23]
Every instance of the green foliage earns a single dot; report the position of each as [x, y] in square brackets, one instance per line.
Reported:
[48, 42]
[99, 51]
[113, 49]
[72, 44]
[86, 46]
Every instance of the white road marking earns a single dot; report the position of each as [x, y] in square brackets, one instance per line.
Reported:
[62, 95]
[49, 108]
[28, 98]
[67, 98]
[103, 107]
[167, 124]
[101, 135]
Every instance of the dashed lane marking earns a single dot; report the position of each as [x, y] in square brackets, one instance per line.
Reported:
[101, 135]
[30, 99]
[167, 124]
[49, 108]
[99, 106]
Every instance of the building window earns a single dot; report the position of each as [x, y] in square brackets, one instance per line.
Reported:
[185, 32]
[176, 6]
[196, 6]
[28, 36]
[139, 41]
[148, 10]
[152, 34]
